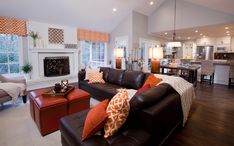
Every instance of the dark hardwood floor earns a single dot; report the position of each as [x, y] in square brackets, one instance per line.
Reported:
[211, 120]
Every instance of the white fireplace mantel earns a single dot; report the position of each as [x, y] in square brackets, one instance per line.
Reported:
[36, 57]
[52, 50]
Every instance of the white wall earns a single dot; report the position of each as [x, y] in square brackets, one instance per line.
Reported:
[70, 33]
[188, 15]
[140, 29]
[122, 30]
[135, 27]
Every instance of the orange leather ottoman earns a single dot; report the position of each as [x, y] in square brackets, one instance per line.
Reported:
[48, 111]
[78, 100]
[32, 95]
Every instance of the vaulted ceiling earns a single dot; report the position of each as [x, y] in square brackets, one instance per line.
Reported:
[92, 14]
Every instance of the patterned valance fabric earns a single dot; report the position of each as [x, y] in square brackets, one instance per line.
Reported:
[88, 35]
[12, 26]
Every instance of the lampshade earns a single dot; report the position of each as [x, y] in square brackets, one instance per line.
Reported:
[156, 53]
[174, 44]
[118, 52]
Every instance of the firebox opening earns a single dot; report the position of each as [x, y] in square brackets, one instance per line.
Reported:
[56, 66]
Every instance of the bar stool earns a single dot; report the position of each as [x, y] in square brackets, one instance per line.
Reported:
[207, 69]
[231, 73]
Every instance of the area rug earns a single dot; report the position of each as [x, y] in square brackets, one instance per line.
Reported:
[18, 129]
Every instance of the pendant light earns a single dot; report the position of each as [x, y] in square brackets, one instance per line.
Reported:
[174, 43]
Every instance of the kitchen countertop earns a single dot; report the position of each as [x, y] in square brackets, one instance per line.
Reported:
[216, 62]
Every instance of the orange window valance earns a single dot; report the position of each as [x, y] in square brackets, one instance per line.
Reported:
[88, 35]
[12, 26]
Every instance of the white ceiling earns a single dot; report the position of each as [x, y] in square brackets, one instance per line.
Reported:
[205, 31]
[226, 6]
[92, 14]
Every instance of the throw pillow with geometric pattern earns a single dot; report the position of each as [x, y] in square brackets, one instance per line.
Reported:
[117, 111]
[96, 77]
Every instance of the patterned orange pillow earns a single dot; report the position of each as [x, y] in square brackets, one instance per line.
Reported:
[117, 111]
[152, 80]
[96, 77]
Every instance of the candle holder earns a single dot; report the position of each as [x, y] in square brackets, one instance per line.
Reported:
[64, 84]
[57, 88]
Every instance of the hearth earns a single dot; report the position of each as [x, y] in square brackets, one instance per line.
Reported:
[56, 66]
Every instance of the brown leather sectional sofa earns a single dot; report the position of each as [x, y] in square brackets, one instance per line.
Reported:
[154, 113]
[115, 79]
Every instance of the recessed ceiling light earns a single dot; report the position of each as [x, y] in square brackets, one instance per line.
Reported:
[165, 33]
[227, 31]
[226, 27]
[151, 3]
[114, 9]
[201, 34]
[196, 31]
[189, 38]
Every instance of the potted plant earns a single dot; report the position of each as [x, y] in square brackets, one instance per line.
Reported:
[34, 36]
[27, 68]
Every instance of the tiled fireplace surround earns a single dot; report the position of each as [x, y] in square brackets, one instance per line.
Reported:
[36, 57]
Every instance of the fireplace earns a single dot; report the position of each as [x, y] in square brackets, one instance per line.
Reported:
[56, 66]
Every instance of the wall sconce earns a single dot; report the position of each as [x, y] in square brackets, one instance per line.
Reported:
[118, 53]
[155, 54]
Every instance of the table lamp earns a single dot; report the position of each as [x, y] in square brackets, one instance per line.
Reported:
[118, 53]
[155, 54]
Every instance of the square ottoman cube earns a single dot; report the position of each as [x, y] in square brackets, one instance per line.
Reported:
[78, 100]
[32, 96]
[48, 111]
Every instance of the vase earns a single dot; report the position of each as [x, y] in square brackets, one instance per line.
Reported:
[34, 42]
[27, 76]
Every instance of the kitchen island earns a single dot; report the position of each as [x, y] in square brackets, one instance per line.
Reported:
[222, 68]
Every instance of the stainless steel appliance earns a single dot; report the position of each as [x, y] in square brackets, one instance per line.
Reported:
[204, 53]
[221, 50]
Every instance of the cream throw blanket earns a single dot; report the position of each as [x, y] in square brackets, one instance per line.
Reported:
[13, 89]
[184, 88]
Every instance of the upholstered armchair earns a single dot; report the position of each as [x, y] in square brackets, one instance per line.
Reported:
[4, 96]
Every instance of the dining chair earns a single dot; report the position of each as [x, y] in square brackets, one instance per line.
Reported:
[207, 69]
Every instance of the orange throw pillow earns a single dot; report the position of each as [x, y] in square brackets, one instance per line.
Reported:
[95, 119]
[152, 80]
[117, 110]
[96, 77]
[143, 88]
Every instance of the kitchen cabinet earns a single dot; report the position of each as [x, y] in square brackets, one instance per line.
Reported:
[188, 50]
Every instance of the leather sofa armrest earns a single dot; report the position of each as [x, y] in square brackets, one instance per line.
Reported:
[81, 75]
[150, 97]
[160, 118]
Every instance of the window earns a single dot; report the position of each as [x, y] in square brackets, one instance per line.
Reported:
[98, 52]
[9, 54]
[93, 53]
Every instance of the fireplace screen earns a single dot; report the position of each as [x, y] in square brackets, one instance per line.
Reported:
[56, 66]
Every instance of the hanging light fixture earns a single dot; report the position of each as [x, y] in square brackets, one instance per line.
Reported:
[174, 43]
